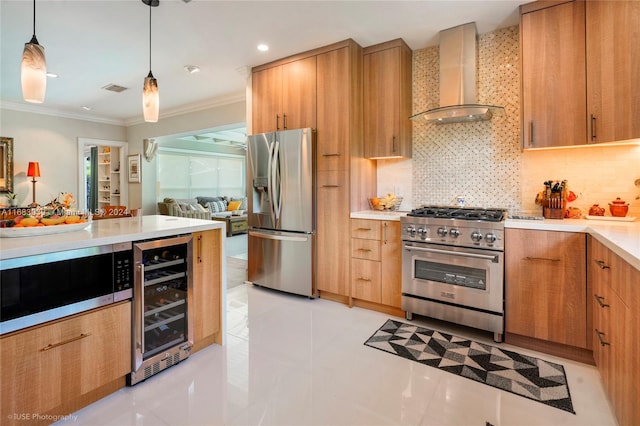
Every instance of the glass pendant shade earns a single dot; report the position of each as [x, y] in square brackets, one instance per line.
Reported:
[33, 74]
[150, 99]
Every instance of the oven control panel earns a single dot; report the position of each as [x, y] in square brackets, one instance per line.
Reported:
[465, 233]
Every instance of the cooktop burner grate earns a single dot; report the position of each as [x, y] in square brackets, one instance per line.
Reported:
[488, 215]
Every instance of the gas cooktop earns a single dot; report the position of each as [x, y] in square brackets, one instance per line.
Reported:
[462, 213]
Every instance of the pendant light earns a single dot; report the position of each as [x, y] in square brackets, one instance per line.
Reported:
[150, 95]
[33, 72]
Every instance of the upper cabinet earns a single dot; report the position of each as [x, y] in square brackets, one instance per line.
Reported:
[553, 75]
[579, 75]
[613, 70]
[387, 100]
[284, 96]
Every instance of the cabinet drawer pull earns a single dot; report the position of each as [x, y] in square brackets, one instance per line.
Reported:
[384, 232]
[601, 264]
[600, 299]
[364, 249]
[277, 121]
[331, 186]
[593, 127]
[199, 248]
[64, 342]
[284, 121]
[363, 279]
[602, 341]
[393, 144]
[337, 154]
[531, 133]
[363, 229]
[549, 259]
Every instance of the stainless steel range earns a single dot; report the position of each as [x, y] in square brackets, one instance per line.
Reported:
[453, 266]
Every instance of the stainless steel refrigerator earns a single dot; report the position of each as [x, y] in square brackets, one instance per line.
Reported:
[281, 210]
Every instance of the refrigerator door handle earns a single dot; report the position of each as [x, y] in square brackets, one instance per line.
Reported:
[270, 185]
[276, 182]
[278, 237]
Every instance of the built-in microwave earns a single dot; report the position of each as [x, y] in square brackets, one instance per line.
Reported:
[44, 287]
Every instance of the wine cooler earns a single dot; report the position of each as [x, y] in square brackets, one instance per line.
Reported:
[162, 327]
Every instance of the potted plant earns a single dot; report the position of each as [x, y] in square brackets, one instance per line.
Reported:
[11, 196]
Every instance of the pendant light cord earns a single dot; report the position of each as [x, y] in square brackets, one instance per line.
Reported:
[149, 35]
[34, 18]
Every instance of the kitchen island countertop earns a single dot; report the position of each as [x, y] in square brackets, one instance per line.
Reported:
[623, 238]
[105, 231]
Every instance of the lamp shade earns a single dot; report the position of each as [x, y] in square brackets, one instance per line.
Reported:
[150, 99]
[34, 169]
[33, 73]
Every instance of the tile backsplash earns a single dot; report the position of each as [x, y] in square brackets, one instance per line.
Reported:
[483, 162]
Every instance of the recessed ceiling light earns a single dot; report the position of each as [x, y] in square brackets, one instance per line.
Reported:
[86, 108]
[52, 75]
[263, 47]
[191, 69]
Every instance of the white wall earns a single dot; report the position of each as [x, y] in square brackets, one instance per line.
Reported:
[53, 142]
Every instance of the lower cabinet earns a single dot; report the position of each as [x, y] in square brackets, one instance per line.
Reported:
[376, 262]
[546, 286]
[207, 271]
[615, 300]
[55, 369]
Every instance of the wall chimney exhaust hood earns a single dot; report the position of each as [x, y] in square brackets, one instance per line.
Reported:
[458, 52]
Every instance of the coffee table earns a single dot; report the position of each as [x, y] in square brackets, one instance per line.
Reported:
[235, 224]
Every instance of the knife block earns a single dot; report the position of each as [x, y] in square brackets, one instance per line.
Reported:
[554, 207]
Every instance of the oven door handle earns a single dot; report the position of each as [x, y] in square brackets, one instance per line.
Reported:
[492, 258]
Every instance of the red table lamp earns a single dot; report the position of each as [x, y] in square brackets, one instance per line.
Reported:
[33, 172]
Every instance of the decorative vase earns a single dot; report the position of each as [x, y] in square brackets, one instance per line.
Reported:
[596, 210]
[618, 208]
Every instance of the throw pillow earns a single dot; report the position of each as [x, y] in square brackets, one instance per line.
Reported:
[216, 206]
[201, 208]
[205, 200]
[243, 202]
[234, 205]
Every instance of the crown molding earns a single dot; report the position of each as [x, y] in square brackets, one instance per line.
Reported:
[57, 112]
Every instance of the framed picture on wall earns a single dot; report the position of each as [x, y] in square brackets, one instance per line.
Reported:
[135, 174]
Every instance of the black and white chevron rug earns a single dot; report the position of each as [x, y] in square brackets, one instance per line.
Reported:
[523, 375]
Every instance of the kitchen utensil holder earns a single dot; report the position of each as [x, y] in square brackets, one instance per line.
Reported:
[554, 207]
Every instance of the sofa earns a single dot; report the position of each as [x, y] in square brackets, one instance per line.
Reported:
[229, 209]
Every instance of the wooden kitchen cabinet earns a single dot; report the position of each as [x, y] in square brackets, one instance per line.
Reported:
[546, 286]
[552, 39]
[59, 367]
[387, 100]
[376, 262]
[207, 284]
[332, 201]
[284, 96]
[579, 74]
[615, 300]
[613, 70]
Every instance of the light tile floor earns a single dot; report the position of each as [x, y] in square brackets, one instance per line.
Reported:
[294, 361]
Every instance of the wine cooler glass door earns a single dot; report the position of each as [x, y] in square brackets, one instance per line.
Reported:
[163, 281]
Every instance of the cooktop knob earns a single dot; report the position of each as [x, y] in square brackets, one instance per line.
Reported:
[476, 236]
[442, 232]
[411, 230]
[454, 232]
[422, 232]
[490, 238]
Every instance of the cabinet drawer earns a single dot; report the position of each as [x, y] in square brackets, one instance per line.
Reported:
[365, 228]
[365, 249]
[365, 280]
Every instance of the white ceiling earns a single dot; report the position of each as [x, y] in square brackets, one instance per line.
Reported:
[93, 43]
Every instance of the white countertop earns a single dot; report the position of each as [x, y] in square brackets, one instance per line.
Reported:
[105, 231]
[623, 238]
[378, 215]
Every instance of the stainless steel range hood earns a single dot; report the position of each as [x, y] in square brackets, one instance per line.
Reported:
[458, 52]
